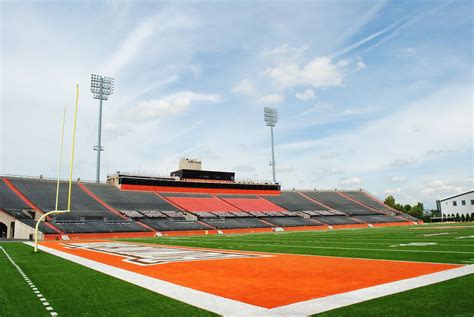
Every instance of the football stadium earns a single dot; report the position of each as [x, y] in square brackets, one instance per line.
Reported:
[225, 241]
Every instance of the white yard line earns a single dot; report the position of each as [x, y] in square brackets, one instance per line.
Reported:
[210, 302]
[35, 290]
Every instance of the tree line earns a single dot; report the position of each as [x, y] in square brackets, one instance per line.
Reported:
[414, 211]
[417, 211]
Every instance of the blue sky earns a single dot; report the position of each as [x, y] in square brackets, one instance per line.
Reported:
[371, 94]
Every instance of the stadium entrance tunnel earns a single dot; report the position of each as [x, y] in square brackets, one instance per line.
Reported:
[3, 230]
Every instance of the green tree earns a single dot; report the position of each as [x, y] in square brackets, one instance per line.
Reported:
[416, 211]
[463, 218]
[457, 218]
[472, 216]
[468, 218]
[406, 208]
[389, 201]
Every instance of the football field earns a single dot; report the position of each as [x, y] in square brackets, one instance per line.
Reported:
[361, 272]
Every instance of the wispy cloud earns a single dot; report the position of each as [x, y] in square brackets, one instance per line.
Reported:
[169, 105]
[272, 98]
[375, 35]
[306, 95]
[245, 87]
[134, 41]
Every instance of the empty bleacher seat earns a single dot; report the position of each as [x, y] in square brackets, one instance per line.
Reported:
[339, 202]
[291, 221]
[236, 223]
[293, 201]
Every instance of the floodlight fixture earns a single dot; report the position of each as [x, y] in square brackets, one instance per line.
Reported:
[101, 87]
[270, 115]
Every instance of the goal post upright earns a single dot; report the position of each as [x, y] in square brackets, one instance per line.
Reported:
[71, 168]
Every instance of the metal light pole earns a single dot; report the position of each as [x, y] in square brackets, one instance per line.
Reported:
[101, 87]
[271, 118]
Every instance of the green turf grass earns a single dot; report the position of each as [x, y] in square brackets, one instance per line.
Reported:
[74, 290]
[372, 243]
[449, 298]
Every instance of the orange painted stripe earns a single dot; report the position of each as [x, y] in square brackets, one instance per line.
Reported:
[21, 195]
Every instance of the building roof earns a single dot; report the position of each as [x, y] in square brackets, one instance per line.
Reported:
[457, 195]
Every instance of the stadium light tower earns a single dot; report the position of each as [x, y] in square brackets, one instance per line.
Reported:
[101, 87]
[271, 118]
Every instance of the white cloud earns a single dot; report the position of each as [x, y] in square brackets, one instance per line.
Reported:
[398, 179]
[351, 181]
[285, 50]
[403, 162]
[359, 65]
[272, 98]
[170, 105]
[308, 94]
[319, 72]
[245, 87]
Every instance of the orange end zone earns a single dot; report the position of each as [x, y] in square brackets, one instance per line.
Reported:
[263, 279]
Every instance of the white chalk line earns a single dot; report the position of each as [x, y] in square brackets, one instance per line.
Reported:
[228, 307]
[32, 286]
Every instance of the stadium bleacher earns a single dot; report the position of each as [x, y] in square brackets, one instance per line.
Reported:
[337, 220]
[129, 200]
[197, 202]
[378, 218]
[102, 208]
[236, 223]
[175, 225]
[251, 203]
[83, 207]
[8, 199]
[338, 202]
[293, 201]
[99, 226]
[291, 221]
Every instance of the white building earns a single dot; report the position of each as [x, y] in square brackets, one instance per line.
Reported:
[462, 204]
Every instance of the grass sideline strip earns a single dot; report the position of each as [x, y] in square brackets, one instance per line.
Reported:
[74, 290]
[449, 298]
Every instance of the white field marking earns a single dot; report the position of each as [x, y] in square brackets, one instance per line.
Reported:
[437, 234]
[323, 304]
[228, 307]
[468, 237]
[34, 289]
[210, 302]
[414, 244]
[341, 248]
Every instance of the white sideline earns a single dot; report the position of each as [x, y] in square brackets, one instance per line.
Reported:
[213, 303]
[229, 307]
[31, 285]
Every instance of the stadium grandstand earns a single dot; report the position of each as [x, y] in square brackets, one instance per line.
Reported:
[210, 202]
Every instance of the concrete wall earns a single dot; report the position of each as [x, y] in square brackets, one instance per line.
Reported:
[21, 231]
